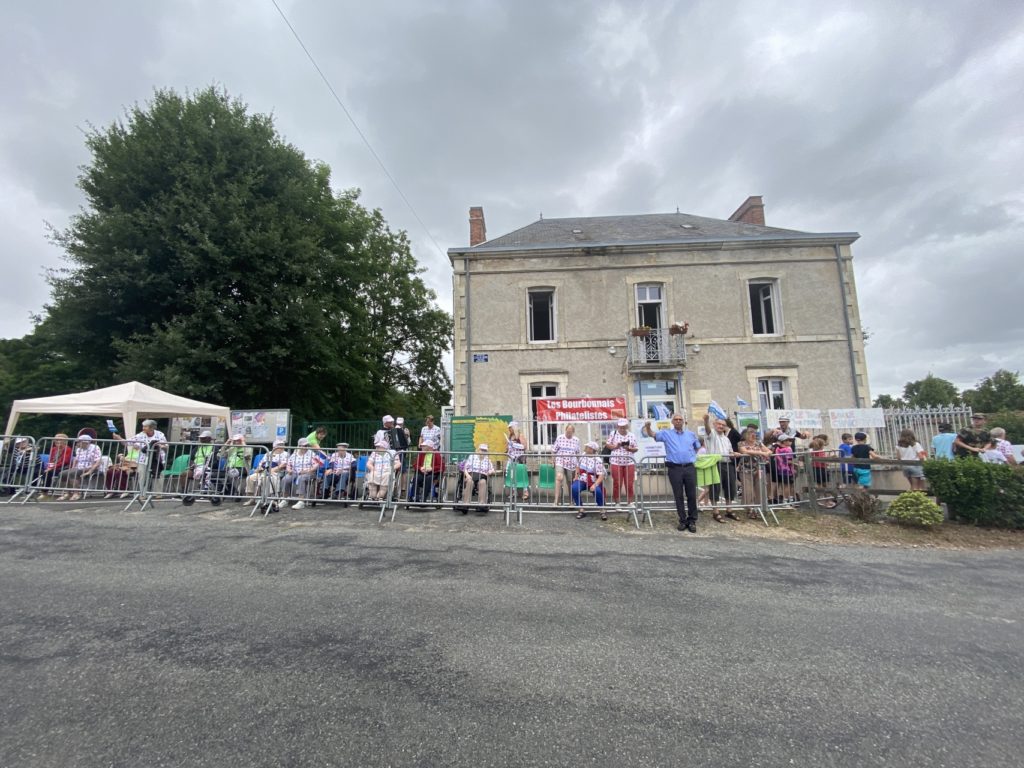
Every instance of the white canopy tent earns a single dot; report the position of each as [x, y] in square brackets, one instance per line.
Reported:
[124, 400]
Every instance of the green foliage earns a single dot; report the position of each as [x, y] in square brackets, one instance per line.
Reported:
[915, 508]
[863, 506]
[888, 401]
[930, 391]
[1011, 421]
[214, 260]
[1002, 391]
[979, 493]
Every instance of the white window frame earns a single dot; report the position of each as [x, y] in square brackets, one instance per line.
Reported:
[660, 301]
[547, 433]
[772, 284]
[770, 386]
[553, 311]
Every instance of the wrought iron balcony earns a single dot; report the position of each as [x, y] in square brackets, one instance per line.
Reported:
[655, 347]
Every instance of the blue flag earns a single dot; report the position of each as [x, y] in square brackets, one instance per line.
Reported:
[741, 402]
[716, 410]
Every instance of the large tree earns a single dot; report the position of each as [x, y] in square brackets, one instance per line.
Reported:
[1002, 391]
[214, 260]
[930, 391]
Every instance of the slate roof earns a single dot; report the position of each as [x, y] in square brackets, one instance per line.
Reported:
[643, 228]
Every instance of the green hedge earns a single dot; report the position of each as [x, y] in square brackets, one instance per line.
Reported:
[975, 492]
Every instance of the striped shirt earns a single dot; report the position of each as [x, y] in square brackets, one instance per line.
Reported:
[567, 451]
[302, 461]
[619, 444]
[340, 463]
[380, 467]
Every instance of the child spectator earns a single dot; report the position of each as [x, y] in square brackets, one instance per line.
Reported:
[862, 450]
[846, 450]
[910, 450]
[819, 467]
[942, 443]
[784, 469]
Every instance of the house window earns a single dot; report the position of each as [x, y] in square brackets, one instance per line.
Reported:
[764, 307]
[649, 301]
[543, 434]
[773, 394]
[655, 399]
[541, 311]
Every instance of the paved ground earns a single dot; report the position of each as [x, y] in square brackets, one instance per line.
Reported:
[193, 637]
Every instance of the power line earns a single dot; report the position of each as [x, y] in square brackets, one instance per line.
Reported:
[356, 126]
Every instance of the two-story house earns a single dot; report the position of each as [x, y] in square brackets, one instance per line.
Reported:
[668, 310]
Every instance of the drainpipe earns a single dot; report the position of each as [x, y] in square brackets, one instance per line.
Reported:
[846, 319]
[469, 350]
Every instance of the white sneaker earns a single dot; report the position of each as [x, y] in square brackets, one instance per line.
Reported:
[299, 505]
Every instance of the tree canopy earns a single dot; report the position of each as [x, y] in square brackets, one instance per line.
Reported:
[214, 260]
[1002, 391]
[930, 391]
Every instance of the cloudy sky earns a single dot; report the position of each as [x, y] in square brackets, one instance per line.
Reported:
[903, 121]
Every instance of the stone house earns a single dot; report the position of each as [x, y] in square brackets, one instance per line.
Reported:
[669, 310]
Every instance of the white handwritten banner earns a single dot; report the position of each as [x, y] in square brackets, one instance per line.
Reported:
[856, 418]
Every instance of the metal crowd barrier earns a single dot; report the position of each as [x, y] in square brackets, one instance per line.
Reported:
[19, 465]
[655, 491]
[542, 484]
[441, 482]
[298, 477]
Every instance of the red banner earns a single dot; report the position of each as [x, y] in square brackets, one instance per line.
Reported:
[581, 408]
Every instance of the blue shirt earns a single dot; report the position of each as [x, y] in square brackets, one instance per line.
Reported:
[942, 445]
[680, 447]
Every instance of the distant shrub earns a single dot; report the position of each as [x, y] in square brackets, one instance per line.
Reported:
[978, 493]
[863, 506]
[914, 508]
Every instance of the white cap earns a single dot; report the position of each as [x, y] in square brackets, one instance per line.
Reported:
[238, 436]
[206, 433]
[592, 445]
[382, 444]
[85, 438]
[622, 423]
[400, 420]
[21, 440]
[388, 418]
[483, 447]
[341, 445]
[513, 423]
[278, 442]
[303, 441]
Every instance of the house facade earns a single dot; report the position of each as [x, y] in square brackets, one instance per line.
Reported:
[668, 310]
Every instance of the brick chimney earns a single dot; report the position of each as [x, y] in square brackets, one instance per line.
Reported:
[477, 227]
[751, 212]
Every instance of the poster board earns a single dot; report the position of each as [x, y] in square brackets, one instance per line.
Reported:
[261, 426]
[649, 447]
[745, 419]
[467, 432]
[186, 429]
[856, 418]
[799, 418]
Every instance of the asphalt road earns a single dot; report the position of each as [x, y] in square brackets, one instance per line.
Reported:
[193, 637]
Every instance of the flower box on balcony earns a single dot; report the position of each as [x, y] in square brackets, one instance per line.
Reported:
[643, 331]
[678, 329]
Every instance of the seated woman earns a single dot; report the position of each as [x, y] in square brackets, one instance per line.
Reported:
[85, 463]
[381, 469]
[22, 466]
[429, 468]
[339, 470]
[267, 476]
[121, 475]
[60, 457]
[589, 477]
